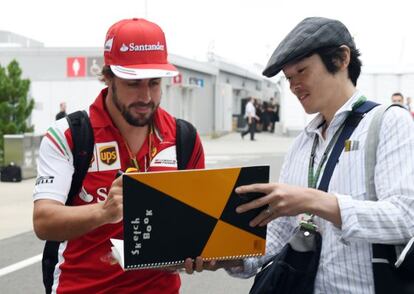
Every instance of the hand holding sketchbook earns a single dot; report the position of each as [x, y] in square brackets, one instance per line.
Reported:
[170, 216]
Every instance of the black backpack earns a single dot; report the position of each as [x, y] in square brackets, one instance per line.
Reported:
[83, 142]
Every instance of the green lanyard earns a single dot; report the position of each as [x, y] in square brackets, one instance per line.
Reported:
[313, 178]
[307, 220]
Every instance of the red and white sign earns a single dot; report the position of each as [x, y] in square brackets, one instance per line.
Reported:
[76, 67]
[178, 79]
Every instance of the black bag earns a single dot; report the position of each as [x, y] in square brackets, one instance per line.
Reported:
[391, 275]
[294, 269]
[388, 277]
[405, 263]
[83, 143]
[11, 173]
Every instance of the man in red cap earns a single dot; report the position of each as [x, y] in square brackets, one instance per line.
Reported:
[129, 130]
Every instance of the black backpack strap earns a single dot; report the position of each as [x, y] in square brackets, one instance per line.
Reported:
[351, 123]
[186, 135]
[83, 142]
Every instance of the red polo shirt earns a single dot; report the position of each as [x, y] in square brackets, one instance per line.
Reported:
[85, 264]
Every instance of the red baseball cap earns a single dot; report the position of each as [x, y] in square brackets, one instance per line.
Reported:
[136, 49]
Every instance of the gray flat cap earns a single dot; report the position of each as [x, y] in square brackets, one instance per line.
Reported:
[310, 34]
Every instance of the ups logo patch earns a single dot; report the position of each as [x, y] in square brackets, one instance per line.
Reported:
[108, 155]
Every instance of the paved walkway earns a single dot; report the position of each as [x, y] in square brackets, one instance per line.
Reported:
[233, 144]
[16, 198]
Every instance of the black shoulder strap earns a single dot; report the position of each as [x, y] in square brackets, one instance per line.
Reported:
[185, 140]
[351, 123]
[83, 142]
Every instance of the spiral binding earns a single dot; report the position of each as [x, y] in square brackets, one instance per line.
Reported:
[178, 262]
[154, 265]
[242, 256]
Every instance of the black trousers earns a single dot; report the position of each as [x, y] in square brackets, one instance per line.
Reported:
[251, 130]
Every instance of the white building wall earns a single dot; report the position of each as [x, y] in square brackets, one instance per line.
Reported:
[407, 85]
[385, 85]
[223, 107]
[48, 95]
[190, 102]
[367, 85]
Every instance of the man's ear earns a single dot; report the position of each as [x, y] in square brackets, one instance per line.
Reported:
[107, 79]
[346, 57]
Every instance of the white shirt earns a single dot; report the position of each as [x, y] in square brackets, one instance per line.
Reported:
[250, 110]
[345, 263]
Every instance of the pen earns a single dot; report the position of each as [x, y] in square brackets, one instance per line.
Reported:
[128, 170]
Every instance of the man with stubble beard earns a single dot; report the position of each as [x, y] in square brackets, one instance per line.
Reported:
[130, 130]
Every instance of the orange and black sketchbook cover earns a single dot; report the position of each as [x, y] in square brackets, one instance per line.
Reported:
[169, 216]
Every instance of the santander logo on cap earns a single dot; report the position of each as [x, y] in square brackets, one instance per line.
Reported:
[141, 47]
[136, 49]
[124, 48]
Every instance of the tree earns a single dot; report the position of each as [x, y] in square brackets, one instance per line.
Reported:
[15, 105]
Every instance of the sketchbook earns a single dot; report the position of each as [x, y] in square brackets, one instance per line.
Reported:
[170, 216]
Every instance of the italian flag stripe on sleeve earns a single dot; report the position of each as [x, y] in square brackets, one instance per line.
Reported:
[57, 141]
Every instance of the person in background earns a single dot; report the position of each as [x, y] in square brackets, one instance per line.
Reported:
[251, 118]
[62, 112]
[397, 98]
[266, 116]
[277, 112]
[408, 105]
[273, 109]
[130, 130]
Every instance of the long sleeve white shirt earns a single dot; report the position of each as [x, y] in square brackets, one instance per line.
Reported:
[250, 110]
[345, 263]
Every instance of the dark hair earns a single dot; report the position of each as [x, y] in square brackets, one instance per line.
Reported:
[333, 56]
[107, 72]
[398, 94]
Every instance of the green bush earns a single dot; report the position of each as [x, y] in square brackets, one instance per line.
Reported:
[15, 105]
